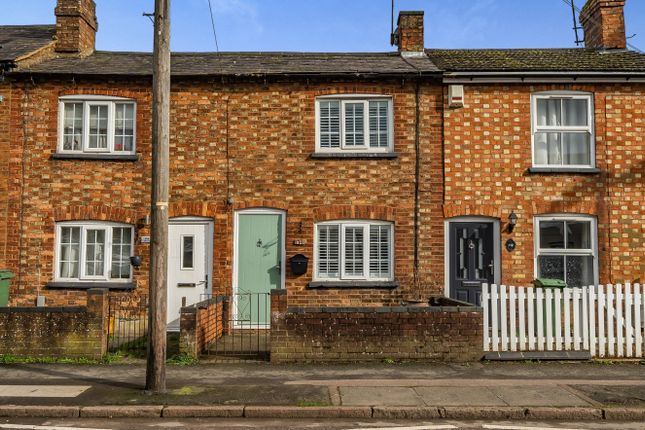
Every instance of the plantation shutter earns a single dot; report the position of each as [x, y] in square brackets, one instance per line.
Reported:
[329, 124]
[380, 251]
[353, 264]
[328, 251]
[378, 123]
[354, 124]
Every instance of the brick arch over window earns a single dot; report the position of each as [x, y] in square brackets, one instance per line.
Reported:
[373, 212]
[84, 91]
[95, 213]
[572, 207]
[457, 210]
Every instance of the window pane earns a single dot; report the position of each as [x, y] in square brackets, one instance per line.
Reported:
[124, 127]
[69, 252]
[379, 251]
[547, 148]
[354, 124]
[549, 112]
[98, 127]
[551, 234]
[354, 251]
[551, 266]
[187, 247]
[94, 252]
[329, 124]
[574, 112]
[579, 270]
[578, 235]
[378, 124]
[576, 147]
[121, 252]
[328, 251]
[72, 126]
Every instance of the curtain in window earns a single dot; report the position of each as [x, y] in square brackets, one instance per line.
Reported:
[73, 127]
[121, 252]
[70, 243]
[94, 252]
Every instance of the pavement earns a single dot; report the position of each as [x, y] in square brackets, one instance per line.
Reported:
[488, 391]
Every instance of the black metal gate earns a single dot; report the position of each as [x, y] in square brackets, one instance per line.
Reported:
[128, 324]
[241, 328]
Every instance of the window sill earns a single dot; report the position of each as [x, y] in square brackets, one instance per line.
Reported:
[565, 170]
[389, 285]
[103, 157]
[333, 155]
[84, 285]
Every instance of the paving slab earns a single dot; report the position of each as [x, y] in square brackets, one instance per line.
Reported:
[529, 395]
[455, 396]
[42, 390]
[379, 396]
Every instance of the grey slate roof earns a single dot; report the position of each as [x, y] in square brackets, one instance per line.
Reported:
[18, 40]
[537, 60]
[239, 64]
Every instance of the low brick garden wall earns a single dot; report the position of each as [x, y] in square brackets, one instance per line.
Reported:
[79, 331]
[450, 331]
[201, 324]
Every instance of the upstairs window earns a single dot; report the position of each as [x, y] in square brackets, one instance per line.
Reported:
[354, 124]
[93, 251]
[354, 250]
[563, 134]
[566, 249]
[94, 124]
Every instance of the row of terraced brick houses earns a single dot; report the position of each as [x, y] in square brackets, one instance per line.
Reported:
[398, 175]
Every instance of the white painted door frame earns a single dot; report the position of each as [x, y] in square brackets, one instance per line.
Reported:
[497, 247]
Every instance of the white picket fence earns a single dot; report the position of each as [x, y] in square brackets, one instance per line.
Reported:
[607, 321]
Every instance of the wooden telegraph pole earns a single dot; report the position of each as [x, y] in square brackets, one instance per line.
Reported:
[156, 365]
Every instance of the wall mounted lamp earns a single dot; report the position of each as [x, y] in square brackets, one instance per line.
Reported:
[512, 221]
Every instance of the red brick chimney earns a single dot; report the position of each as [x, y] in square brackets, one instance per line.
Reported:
[409, 33]
[604, 24]
[76, 26]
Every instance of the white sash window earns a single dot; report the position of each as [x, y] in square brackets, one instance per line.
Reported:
[563, 132]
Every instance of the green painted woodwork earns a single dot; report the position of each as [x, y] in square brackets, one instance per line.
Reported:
[258, 267]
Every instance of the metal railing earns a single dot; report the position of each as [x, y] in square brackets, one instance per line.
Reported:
[239, 325]
[127, 326]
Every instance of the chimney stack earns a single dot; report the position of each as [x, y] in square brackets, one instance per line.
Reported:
[76, 26]
[408, 35]
[604, 24]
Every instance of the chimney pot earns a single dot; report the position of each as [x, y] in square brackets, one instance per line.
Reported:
[76, 26]
[409, 33]
[603, 22]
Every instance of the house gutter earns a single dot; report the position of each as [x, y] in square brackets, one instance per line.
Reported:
[530, 77]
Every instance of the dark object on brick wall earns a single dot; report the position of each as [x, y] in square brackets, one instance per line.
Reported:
[299, 263]
[136, 260]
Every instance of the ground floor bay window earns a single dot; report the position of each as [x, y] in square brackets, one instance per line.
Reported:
[354, 250]
[566, 249]
[93, 251]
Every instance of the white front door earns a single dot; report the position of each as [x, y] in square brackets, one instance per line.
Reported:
[189, 265]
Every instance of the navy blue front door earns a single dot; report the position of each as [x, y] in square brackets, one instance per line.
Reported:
[471, 259]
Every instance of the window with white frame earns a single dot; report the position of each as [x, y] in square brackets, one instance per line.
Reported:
[93, 251]
[566, 249]
[97, 124]
[354, 250]
[563, 131]
[354, 123]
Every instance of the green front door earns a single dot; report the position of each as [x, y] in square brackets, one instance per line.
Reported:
[259, 267]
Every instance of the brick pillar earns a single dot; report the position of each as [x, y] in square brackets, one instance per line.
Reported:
[278, 301]
[97, 307]
[188, 344]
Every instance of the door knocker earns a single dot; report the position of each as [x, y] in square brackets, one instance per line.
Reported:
[259, 243]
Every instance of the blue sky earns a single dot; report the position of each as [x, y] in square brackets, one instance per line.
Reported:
[330, 25]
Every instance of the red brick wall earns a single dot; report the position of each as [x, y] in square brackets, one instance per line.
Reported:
[353, 334]
[270, 131]
[488, 152]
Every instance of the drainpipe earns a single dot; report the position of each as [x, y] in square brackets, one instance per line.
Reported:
[417, 176]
